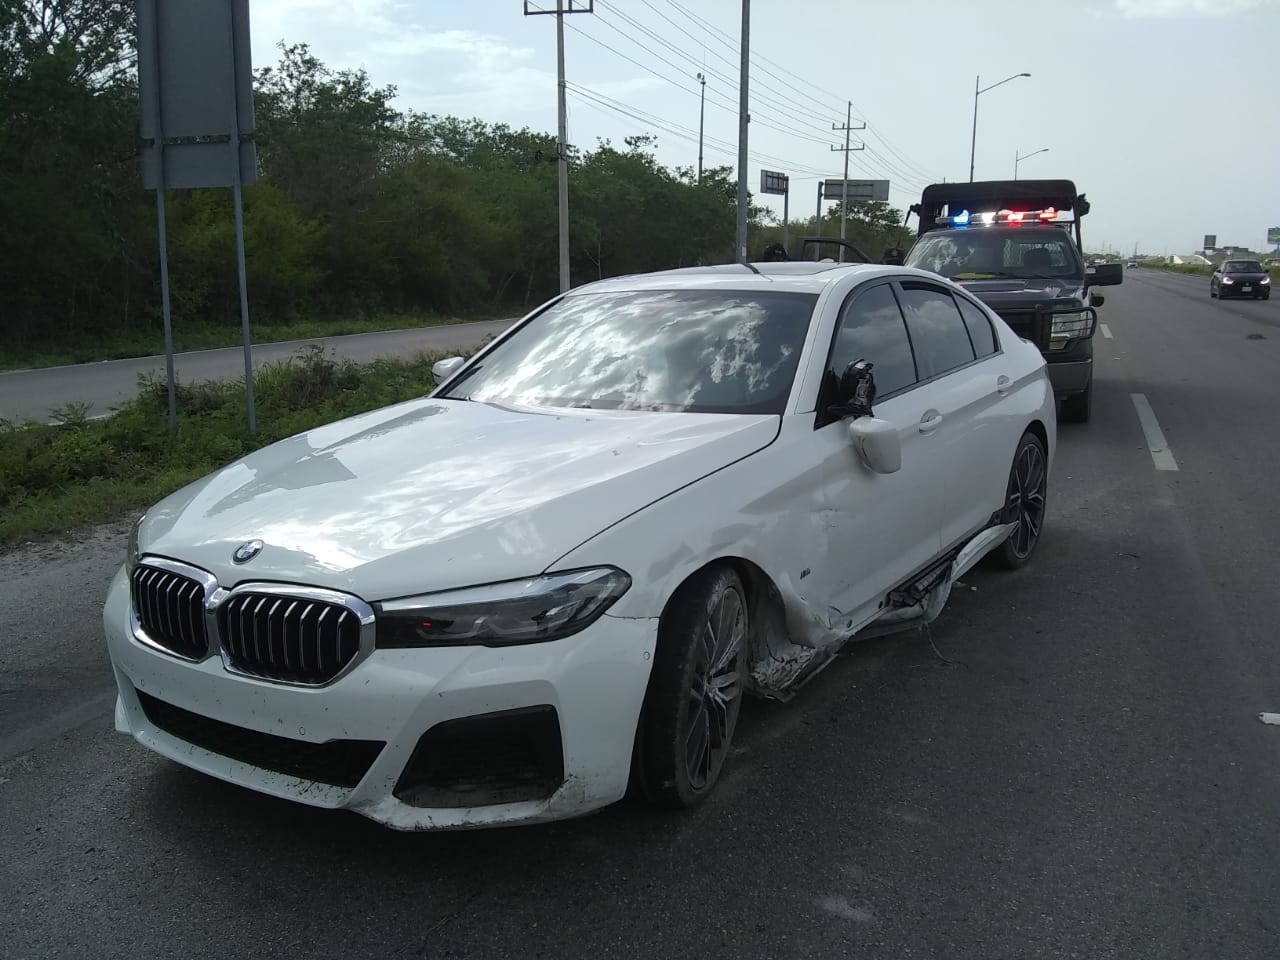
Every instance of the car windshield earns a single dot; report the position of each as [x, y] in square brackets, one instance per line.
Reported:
[697, 351]
[976, 254]
[1242, 266]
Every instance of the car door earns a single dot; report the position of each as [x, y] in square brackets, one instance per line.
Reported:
[879, 529]
[964, 376]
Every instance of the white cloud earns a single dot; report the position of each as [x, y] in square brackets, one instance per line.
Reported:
[1182, 8]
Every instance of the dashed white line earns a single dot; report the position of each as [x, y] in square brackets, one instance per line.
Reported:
[1161, 456]
[1106, 331]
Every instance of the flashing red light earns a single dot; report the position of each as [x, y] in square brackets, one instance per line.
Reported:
[1016, 217]
[1050, 214]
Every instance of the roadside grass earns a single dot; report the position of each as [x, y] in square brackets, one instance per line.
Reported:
[1193, 269]
[56, 477]
[205, 336]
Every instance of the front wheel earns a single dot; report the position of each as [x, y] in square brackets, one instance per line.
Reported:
[1024, 502]
[695, 690]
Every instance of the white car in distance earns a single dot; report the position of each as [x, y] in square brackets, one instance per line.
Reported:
[558, 574]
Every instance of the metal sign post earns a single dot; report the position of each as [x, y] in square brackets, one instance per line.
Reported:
[195, 87]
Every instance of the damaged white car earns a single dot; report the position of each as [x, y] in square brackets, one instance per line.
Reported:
[557, 576]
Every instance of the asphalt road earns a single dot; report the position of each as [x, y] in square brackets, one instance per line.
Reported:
[35, 394]
[1070, 765]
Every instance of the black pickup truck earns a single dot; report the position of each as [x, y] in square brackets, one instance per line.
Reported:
[1016, 245]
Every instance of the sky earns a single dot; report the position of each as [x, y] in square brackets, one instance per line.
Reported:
[1166, 113]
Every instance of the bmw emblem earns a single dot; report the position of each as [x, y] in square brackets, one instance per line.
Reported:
[247, 551]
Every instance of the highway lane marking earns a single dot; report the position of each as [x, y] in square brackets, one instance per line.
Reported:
[1270, 718]
[1106, 331]
[1161, 456]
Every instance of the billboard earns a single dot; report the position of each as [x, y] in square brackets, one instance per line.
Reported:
[771, 181]
[1273, 235]
[1210, 241]
[857, 189]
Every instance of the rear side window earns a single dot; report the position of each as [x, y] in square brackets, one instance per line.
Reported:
[871, 328]
[979, 327]
[938, 331]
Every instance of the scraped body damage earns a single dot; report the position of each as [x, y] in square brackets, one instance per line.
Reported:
[781, 665]
[780, 538]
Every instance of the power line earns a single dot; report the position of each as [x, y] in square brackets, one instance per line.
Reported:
[728, 42]
[778, 100]
[685, 133]
[717, 99]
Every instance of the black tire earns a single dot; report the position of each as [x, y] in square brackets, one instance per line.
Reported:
[1078, 407]
[1025, 499]
[695, 690]
[1212, 291]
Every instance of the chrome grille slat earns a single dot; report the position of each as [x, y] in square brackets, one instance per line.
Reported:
[169, 608]
[291, 639]
[298, 635]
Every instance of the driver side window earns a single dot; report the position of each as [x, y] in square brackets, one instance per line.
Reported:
[872, 328]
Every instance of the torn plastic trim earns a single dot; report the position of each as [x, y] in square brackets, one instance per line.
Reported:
[814, 642]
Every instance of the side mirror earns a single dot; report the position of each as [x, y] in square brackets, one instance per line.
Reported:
[877, 443]
[442, 370]
[1105, 274]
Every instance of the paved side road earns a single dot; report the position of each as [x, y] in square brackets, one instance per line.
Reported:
[1069, 765]
[34, 394]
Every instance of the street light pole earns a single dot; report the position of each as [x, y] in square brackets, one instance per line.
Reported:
[978, 90]
[1018, 158]
[744, 118]
[702, 113]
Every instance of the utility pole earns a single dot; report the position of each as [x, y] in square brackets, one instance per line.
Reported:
[562, 144]
[702, 114]
[744, 118]
[844, 184]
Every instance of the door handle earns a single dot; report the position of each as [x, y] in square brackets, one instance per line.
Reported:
[930, 422]
[1002, 384]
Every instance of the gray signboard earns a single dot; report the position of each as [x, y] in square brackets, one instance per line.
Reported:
[195, 84]
[771, 181]
[1210, 241]
[856, 189]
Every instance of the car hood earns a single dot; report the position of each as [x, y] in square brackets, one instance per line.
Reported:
[1250, 277]
[1023, 294]
[436, 494]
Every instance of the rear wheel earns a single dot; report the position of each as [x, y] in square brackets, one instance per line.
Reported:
[1024, 503]
[695, 691]
[1078, 407]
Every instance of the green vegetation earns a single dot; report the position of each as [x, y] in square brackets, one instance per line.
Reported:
[363, 210]
[54, 477]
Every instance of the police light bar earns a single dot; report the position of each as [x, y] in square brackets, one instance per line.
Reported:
[964, 217]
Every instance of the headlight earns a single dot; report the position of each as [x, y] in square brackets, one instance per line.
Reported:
[1069, 326]
[131, 551]
[500, 614]
[1227, 280]
[1265, 280]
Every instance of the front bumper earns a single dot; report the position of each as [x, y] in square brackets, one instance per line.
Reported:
[1070, 376]
[1254, 289]
[374, 718]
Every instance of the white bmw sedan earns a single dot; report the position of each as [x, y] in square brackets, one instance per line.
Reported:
[556, 577]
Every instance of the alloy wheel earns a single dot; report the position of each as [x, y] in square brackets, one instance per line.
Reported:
[1025, 504]
[715, 692]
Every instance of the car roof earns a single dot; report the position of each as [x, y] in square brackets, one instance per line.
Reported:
[797, 276]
